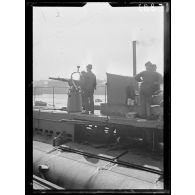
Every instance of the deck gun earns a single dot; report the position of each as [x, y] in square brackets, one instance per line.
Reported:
[74, 103]
[71, 82]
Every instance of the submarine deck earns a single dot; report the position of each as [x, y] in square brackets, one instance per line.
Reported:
[98, 117]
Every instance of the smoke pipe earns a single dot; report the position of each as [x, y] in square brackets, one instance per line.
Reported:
[134, 58]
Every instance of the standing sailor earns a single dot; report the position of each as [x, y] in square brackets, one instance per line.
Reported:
[83, 91]
[150, 82]
[90, 86]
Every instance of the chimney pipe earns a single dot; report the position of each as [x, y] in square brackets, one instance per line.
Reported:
[134, 58]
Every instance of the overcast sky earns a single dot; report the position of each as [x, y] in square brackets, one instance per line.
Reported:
[64, 37]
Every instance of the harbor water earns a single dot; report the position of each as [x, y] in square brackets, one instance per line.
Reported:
[60, 100]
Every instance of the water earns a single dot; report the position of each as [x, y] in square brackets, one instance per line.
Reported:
[60, 100]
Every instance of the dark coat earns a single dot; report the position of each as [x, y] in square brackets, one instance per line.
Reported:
[150, 81]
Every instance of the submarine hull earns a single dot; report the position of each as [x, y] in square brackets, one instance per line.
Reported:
[74, 171]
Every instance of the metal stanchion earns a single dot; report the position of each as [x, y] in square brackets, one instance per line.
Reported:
[106, 93]
[34, 94]
[53, 97]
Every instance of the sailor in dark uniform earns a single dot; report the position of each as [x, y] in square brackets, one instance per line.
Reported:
[150, 82]
[82, 85]
[90, 86]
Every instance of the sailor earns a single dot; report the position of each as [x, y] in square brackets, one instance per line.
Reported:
[150, 81]
[82, 85]
[90, 86]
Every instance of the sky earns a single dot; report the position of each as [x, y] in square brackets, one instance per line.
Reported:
[97, 34]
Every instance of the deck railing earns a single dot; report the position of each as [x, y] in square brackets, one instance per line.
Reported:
[53, 90]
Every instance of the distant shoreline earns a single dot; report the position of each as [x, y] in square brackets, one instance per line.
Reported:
[62, 90]
[47, 86]
[48, 93]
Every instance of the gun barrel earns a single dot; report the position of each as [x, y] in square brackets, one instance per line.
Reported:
[70, 82]
[59, 79]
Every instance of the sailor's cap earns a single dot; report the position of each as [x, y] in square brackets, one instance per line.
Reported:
[89, 66]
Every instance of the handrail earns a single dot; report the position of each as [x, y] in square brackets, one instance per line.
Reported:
[61, 87]
[46, 184]
[50, 87]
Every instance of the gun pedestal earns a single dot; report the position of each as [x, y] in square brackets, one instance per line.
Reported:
[74, 96]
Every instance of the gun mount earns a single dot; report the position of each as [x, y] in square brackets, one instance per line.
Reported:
[71, 82]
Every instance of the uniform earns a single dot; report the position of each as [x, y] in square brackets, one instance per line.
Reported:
[82, 85]
[150, 83]
[88, 89]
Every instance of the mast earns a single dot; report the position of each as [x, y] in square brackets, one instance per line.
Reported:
[134, 58]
